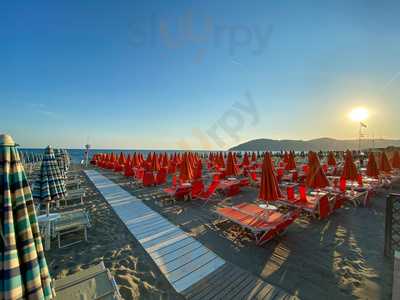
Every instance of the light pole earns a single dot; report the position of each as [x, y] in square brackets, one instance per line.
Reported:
[86, 156]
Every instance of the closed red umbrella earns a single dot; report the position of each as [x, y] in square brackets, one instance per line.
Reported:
[269, 188]
[231, 167]
[384, 165]
[372, 167]
[246, 161]
[285, 157]
[396, 160]
[185, 170]
[155, 166]
[291, 164]
[253, 157]
[331, 159]
[349, 170]
[316, 177]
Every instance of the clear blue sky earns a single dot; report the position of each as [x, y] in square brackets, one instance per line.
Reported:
[151, 74]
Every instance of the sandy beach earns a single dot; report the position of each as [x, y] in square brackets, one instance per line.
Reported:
[108, 240]
[338, 258]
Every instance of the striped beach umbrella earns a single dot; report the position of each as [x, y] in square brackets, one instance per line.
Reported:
[61, 162]
[50, 184]
[23, 267]
[66, 158]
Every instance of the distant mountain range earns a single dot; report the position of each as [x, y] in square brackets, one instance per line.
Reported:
[315, 144]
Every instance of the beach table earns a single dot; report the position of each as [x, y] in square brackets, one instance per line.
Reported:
[229, 186]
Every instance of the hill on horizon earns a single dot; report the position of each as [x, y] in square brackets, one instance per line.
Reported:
[323, 144]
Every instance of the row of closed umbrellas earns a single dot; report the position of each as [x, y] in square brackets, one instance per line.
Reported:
[23, 266]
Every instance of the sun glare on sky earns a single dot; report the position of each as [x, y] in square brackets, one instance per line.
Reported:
[358, 114]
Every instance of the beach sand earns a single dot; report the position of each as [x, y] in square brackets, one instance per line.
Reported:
[108, 240]
[338, 258]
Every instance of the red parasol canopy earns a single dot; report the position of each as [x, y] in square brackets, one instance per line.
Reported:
[315, 177]
[384, 165]
[185, 170]
[349, 170]
[231, 167]
[246, 161]
[291, 164]
[372, 167]
[331, 159]
[396, 160]
[269, 188]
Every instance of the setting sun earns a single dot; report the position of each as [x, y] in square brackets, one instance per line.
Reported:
[359, 114]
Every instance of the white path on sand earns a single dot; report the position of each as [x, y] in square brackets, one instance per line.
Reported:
[183, 260]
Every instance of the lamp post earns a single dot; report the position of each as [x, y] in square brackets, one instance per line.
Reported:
[86, 156]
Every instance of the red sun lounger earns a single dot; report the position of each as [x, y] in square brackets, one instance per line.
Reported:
[264, 225]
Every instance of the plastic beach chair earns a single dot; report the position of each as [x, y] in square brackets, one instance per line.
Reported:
[210, 192]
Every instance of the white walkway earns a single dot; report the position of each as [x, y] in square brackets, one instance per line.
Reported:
[183, 260]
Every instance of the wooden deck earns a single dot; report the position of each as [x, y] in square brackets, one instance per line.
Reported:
[191, 268]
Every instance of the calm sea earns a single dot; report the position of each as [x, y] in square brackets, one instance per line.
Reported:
[78, 154]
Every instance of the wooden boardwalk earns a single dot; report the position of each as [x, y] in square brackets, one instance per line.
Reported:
[191, 268]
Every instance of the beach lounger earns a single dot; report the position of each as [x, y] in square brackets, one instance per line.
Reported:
[71, 222]
[92, 283]
[264, 225]
[73, 183]
[73, 195]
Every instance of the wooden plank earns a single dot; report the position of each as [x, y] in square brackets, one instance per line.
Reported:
[198, 274]
[151, 227]
[183, 260]
[193, 265]
[138, 220]
[265, 292]
[218, 284]
[236, 289]
[206, 282]
[162, 240]
[166, 243]
[171, 248]
[232, 282]
[250, 290]
[150, 236]
[165, 259]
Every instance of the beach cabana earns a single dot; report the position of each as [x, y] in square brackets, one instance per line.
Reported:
[23, 267]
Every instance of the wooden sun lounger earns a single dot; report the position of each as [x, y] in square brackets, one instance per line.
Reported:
[92, 283]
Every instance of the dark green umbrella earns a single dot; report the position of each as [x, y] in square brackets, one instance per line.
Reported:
[23, 267]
